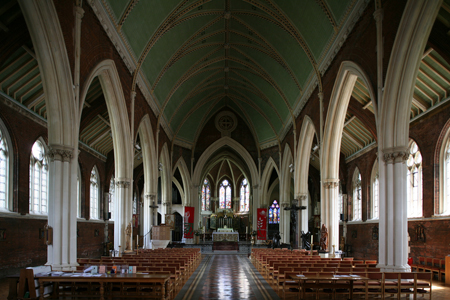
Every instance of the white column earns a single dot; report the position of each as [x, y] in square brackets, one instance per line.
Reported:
[303, 219]
[122, 212]
[393, 243]
[329, 213]
[62, 212]
[148, 218]
[285, 223]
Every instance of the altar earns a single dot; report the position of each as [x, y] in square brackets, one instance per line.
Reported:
[225, 236]
[225, 230]
[225, 241]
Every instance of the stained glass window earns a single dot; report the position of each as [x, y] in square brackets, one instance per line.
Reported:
[225, 194]
[274, 213]
[206, 195]
[245, 196]
[38, 179]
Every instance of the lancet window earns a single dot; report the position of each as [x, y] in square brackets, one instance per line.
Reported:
[414, 181]
[206, 195]
[225, 194]
[245, 195]
[274, 213]
[38, 179]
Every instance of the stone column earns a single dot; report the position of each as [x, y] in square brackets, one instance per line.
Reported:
[148, 210]
[122, 212]
[302, 218]
[329, 210]
[62, 208]
[393, 237]
[285, 218]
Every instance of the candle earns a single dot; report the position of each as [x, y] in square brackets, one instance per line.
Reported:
[246, 229]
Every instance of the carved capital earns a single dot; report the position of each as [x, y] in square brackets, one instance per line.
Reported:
[150, 196]
[60, 153]
[331, 184]
[285, 204]
[395, 155]
[302, 197]
[123, 183]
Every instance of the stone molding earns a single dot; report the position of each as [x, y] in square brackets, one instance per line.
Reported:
[395, 155]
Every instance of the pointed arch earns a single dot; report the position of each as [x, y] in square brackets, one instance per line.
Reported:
[166, 180]
[117, 109]
[225, 141]
[335, 118]
[286, 175]
[265, 180]
[307, 133]
[149, 156]
[185, 176]
[51, 54]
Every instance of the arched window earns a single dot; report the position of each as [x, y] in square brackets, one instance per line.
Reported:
[414, 181]
[78, 192]
[94, 194]
[375, 191]
[357, 196]
[225, 194]
[206, 195]
[245, 196]
[112, 197]
[274, 213]
[444, 198]
[38, 179]
[5, 169]
[135, 204]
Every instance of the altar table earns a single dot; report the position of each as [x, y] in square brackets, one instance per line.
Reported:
[225, 230]
[225, 236]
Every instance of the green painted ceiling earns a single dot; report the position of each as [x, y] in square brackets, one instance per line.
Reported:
[258, 54]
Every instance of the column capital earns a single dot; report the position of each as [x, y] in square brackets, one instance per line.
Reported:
[395, 155]
[330, 183]
[123, 183]
[60, 153]
[150, 196]
[79, 12]
[302, 197]
[285, 204]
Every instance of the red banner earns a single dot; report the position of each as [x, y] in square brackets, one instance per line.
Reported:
[189, 222]
[262, 224]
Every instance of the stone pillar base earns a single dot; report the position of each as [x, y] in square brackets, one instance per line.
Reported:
[386, 268]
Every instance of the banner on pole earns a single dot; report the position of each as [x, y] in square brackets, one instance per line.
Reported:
[189, 222]
[262, 224]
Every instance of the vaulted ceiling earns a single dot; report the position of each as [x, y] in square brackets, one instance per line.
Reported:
[255, 57]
